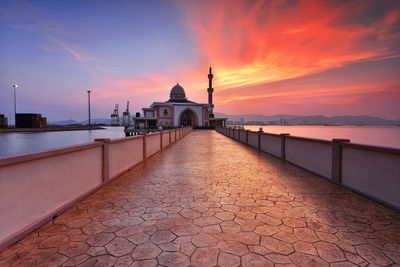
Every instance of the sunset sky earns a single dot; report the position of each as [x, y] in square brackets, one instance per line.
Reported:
[269, 57]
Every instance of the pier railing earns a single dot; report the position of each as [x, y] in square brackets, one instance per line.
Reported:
[368, 170]
[36, 187]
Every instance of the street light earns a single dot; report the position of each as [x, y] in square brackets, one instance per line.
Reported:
[15, 104]
[88, 91]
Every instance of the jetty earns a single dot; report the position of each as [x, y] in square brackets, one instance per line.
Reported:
[184, 197]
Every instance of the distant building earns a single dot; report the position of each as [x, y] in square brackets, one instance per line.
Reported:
[3, 121]
[30, 120]
[179, 111]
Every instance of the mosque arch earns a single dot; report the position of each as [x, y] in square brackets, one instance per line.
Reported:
[188, 118]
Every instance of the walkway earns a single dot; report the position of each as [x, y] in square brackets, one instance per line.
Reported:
[208, 200]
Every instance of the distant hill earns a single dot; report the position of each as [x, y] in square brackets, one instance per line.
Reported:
[308, 120]
[274, 119]
[66, 122]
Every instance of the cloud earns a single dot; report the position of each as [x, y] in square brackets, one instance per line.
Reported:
[257, 41]
[24, 16]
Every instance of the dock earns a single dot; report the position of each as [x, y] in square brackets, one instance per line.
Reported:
[208, 200]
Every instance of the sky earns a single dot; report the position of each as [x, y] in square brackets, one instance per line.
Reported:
[293, 57]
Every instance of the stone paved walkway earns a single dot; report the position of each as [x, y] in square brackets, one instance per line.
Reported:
[208, 200]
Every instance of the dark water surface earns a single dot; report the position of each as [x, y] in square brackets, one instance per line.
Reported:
[22, 143]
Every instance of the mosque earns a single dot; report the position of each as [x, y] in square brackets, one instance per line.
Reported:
[179, 111]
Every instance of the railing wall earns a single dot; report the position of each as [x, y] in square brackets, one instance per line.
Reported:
[271, 143]
[318, 158]
[369, 170]
[124, 153]
[36, 187]
[374, 172]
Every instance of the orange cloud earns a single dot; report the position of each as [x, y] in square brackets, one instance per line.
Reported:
[252, 42]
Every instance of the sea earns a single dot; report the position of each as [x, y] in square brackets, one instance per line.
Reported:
[12, 144]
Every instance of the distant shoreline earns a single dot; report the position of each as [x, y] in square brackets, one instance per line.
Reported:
[50, 129]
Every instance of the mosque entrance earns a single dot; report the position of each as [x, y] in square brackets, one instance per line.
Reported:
[188, 118]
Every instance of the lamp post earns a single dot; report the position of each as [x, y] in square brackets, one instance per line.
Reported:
[88, 91]
[15, 104]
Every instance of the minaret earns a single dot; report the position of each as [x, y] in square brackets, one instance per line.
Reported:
[210, 89]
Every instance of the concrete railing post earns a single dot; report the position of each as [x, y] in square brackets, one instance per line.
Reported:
[144, 146]
[283, 145]
[161, 144]
[336, 175]
[105, 158]
[247, 137]
[259, 137]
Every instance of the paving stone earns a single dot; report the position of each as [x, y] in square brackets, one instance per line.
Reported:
[248, 238]
[207, 256]
[255, 260]
[99, 261]
[204, 240]
[268, 219]
[276, 245]
[173, 259]
[329, 252]
[305, 234]
[204, 221]
[305, 247]
[139, 238]
[146, 251]
[134, 220]
[266, 229]
[373, 255]
[228, 260]
[74, 261]
[96, 251]
[72, 249]
[100, 239]
[186, 230]
[119, 247]
[144, 263]
[225, 215]
[307, 260]
[161, 237]
[233, 247]
[54, 241]
[277, 258]
[54, 260]
[124, 261]
[293, 223]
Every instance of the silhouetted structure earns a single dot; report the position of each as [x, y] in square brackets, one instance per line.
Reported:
[3, 121]
[179, 111]
[115, 116]
[30, 120]
[126, 116]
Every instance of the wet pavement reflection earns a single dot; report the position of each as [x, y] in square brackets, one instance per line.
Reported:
[209, 201]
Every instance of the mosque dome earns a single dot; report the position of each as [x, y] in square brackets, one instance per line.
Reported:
[177, 93]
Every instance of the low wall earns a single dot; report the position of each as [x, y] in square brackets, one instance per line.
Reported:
[271, 143]
[252, 139]
[243, 136]
[368, 170]
[153, 144]
[35, 187]
[124, 153]
[375, 172]
[311, 154]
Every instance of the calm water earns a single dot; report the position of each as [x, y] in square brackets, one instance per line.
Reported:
[388, 136]
[21, 143]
